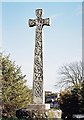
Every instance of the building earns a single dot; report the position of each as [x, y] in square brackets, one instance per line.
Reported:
[52, 99]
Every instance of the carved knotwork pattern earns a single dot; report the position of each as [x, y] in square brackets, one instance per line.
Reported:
[38, 58]
[38, 89]
[38, 66]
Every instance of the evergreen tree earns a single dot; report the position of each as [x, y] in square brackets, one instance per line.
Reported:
[82, 98]
[70, 102]
[15, 92]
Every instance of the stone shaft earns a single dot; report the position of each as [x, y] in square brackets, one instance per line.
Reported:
[38, 57]
[38, 69]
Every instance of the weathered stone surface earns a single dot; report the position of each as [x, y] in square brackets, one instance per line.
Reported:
[38, 95]
[31, 114]
[38, 107]
[55, 114]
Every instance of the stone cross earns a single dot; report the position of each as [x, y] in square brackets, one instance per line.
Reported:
[38, 94]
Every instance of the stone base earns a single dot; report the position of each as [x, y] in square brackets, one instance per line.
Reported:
[33, 111]
[38, 107]
[55, 114]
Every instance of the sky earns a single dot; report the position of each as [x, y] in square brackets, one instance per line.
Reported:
[41, 0]
[62, 42]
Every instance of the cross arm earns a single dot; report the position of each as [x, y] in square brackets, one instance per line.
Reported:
[46, 22]
[32, 23]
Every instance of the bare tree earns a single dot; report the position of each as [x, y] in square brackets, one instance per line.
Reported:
[71, 74]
